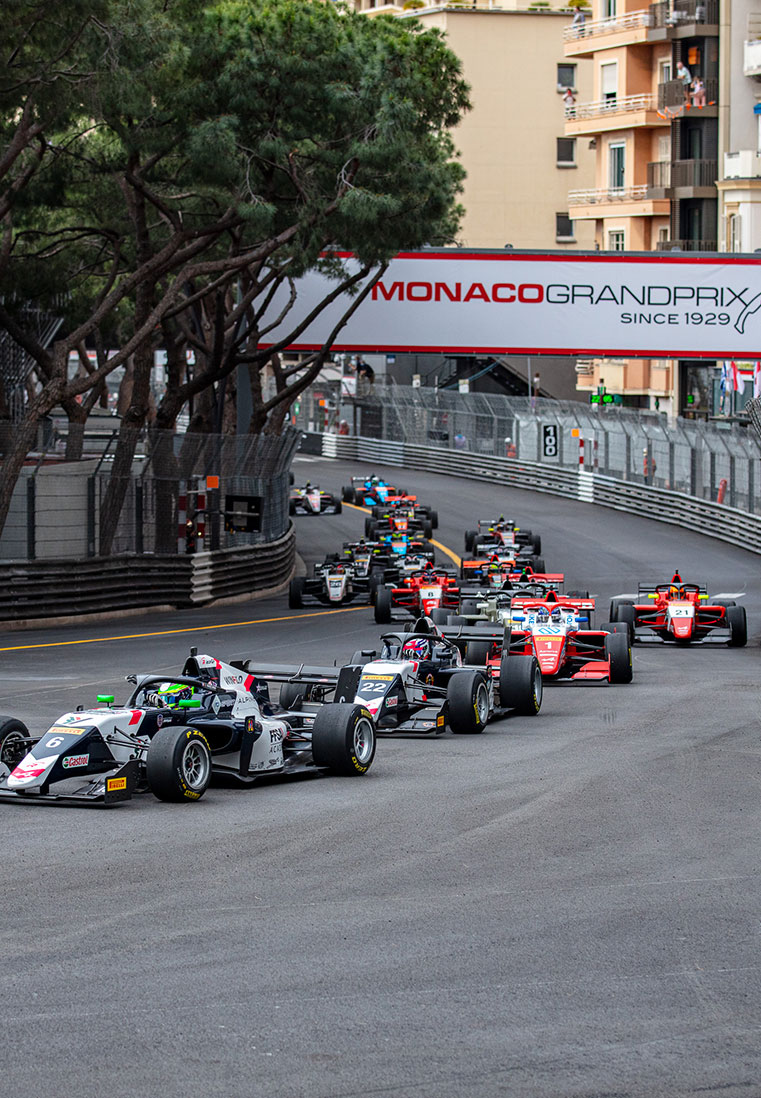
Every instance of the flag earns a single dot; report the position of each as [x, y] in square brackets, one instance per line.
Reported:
[724, 377]
[757, 379]
[737, 381]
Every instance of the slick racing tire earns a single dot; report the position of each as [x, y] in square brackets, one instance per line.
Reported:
[292, 507]
[520, 684]
[439, 615]
[738, 626]
[434, 517]
[343, 739]
[349, 493]
[15, 742]
[615, 605]
[178, 767]
[539, 565]
[370, 528]
[470, 537]
[427, 530]
[469, 606]
[468, 697]
[374, 582]
[382, 605]
[296, 593]
[338, 505]
[292, 695]
[619, 651]
[536, 543]
[456, 619]
[625, 612]
[615, 627]
[477, 653]
[579, 595]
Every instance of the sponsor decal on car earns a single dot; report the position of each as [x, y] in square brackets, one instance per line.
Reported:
[440, 720]
[113, 784]
[391, 702]
[379, 678]
[62, 730]
[74, 760]
[29, 769]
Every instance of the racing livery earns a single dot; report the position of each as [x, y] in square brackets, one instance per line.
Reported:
[172, 736]
[311, 500]
[681, 613]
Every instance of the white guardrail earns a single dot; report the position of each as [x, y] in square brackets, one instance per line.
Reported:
[715, 520]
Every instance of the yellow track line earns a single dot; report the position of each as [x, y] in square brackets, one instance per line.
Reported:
[442, 548]
[190, 629]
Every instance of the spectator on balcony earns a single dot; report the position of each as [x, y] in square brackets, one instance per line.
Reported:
[579, 19]
[698, 93]
[685, 76]
[569, 99]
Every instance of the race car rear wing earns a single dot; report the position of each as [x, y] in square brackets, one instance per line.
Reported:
[484, 631]
[289, 672]
[649, 588]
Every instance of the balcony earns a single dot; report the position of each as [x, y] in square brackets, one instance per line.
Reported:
[615, 201]
[683, 18]
[686, 245]
[694, 176]
[745, 164]
[752, 58]
[598, 34]
[623, 112]
[671, 99]
[659, 178]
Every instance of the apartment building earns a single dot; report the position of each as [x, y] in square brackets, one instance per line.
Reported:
[520, 163]
[656, 143]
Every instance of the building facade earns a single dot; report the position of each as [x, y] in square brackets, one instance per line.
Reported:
[653, 121]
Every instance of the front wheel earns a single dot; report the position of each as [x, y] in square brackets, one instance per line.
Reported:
[619, 651]
[178, 767]
[738, 626]
[15, 743]
[343, 739]
[539, 566]
[349, 493]
[520, 684]
[382, 605]
[434, 517]
[470, 537]
[296, 593]
[468, 697]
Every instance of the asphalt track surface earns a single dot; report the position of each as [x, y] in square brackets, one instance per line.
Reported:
[564, 906]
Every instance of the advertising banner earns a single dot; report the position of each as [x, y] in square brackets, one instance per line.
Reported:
[647, 305]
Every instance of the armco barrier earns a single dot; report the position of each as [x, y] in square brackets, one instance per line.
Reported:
[33, 590]
[676, 508]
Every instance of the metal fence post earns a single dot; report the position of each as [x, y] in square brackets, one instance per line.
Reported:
[31, 524]
[672, 465]
[712, 476]
[627, 470]
[732, 482]
[693, 471]
[91, 516]
[751, 485]
[139, 516]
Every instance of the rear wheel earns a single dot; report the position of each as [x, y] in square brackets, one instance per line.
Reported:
[349, 493]
[722, 602]
[738, 626]
[625, 613]
[477, 653]
[15, 743]
[470, 537]
[578, 595]
[468, 697]
[343, 739]
[427, 530]
[296, 593]
[536, 544]
[292, 695]
[370, 528]
[520, 684]
[178, 766]
[434, 516]
[338, 505]
[619, 652]
[539, 565]
[382, 605]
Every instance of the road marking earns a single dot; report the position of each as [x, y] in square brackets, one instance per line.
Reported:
[190, 629]
[442, 548]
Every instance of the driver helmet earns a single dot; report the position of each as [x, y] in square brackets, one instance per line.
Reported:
[170, 694]
[416, 648]
[374, 482]
[557, 613]
[542, 614]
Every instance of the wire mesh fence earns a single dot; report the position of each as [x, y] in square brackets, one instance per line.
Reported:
[183, 493]
[710, 460]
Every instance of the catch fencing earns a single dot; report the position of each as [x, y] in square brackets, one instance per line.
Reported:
[709, 461]
[185, 493]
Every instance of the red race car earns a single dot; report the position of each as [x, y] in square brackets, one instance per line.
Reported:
[681, 612]
[554, 628]
[418, 594]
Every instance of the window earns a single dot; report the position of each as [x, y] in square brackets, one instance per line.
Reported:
[609, 81]
[663, 234]
[609, 9]
[563, 227]
[664, 71]
[566, 76]
[616, 240]
[616, 165]
[566, 152]
[664, 148]
[734, 243]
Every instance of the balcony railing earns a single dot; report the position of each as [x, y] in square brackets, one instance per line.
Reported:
[676, 13]
[631, 20]
[602, 197]
[694, 173]
[671, 94]
[752, 57]
[659, 175]
[686, 245]
[600, 108]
